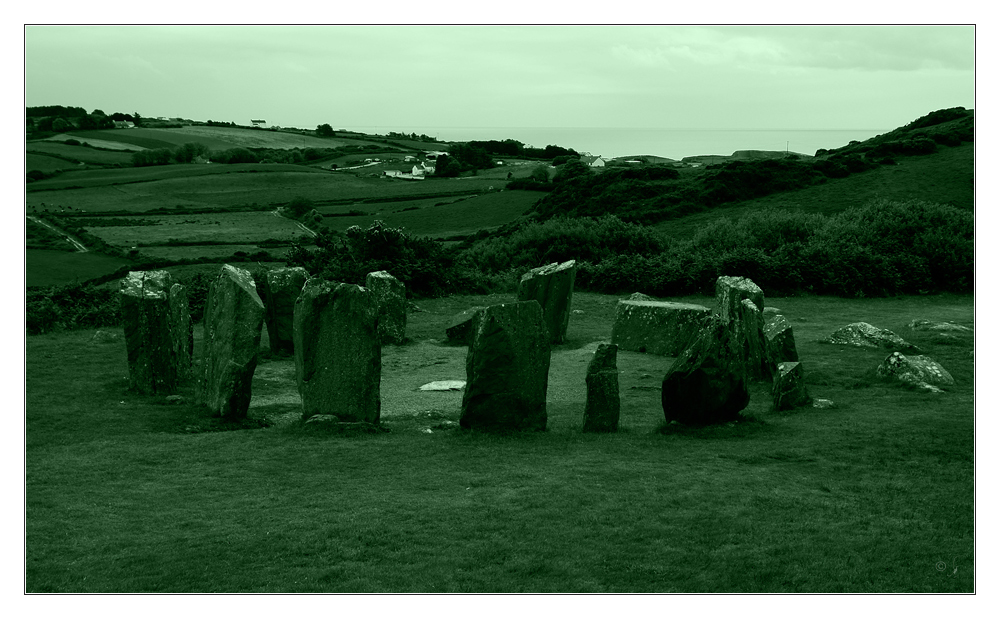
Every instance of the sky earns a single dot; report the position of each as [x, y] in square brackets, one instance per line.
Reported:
[670, 77]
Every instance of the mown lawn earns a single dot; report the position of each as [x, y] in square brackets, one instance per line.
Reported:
[127, 493]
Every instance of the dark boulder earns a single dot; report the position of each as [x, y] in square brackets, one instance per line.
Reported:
[552, 286]
[657, 327]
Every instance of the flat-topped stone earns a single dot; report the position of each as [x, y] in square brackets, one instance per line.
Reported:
[657, 327]
[552, 286]
[915, 370]
[157, 329]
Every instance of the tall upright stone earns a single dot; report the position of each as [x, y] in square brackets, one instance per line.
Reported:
[729, 295]
[234, 315]
[707, 383]
[338, 354]
[780, 340]
[507, 369]
[390, 296]
[279, 289]
[751, 344]
[789, 388]
[153, 317]
[552, 286]
[603, 407]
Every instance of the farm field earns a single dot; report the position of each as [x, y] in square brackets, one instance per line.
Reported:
[454, 217]
[220, 186]
[227, 227]
[78, 153]
[125, 493]
[50, 267]
[221, 252]
[46, 163]
[257, 138]
[91, 137]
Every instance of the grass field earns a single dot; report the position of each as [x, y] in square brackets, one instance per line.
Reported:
[436, 219]
[79, 153]
[182, 252]
[126, 494]
[49, 267]
[228, 227]
[46, 163]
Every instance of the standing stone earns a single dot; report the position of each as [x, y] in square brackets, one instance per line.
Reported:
[751, 344]
[730, 293]
[603, 406]
[507, 369]
[780, 341]
[459, 330]
[278, 289]
[552, 286]
[789, 388]
[182, 329]
[390, 296]
[657, 327]
[338, 355]
[708, 382]
[234, 315]
[153, 317]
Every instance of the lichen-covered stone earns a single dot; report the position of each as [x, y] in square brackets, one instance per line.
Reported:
[747, 327]
[789, 388]
[864, 335]
[730, 292]
[707, 383]
[507, 369]
[390, 296]
[941, 327]
[234, 315]
[603, 407]
[182, 329]
[279, 289]
[153, 327]
[916, 370]
[338, 354]
[638, 296]
[459, 330]
[657, 327]
[780, 340]
[552, 286]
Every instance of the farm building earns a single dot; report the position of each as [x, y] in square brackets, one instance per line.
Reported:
[433, 155]
[594, 162]
[124, 124]
[262, 124]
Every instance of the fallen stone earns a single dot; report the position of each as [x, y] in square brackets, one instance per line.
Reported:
[822, 403]
[638, 296]
[657, 327]
[771, 311]
[729, 295]
[459, 330]
[552, 286]
[864, 335]
[338, 354]
[603, 406]
[780, 340]
[175, 399]
[789, 388]
[279, 289]
[390, 298]
[945, 327]
[317, 419]
[234, 316]
[707, 383]
[914, 370]
[151, 329]
[105, 337]
[507, 369]
[447, 425]
[444, 385]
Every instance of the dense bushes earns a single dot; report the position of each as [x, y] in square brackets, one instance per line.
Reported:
[70, 307]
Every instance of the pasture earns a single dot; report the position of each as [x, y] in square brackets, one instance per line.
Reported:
[213, 227]
[50, 267]
[46, 163]
[132, 494]
[82, 153]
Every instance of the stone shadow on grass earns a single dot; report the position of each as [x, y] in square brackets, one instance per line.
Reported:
[742, 427]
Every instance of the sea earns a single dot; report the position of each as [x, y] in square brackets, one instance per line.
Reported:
[671, 143]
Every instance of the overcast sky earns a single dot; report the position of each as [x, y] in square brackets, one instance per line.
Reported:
[742, 77]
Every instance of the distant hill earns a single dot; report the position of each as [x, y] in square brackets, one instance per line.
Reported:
[753, 175]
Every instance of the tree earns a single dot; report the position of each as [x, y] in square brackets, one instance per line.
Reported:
[572, 169]
[299, 206]
[324, 130]
[540, 174]
[186, 153]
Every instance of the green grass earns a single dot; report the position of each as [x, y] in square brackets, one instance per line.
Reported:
[228, 227]
[127, 493]
[38, 236]
[442, 217]
[49, 267]
[79, 153]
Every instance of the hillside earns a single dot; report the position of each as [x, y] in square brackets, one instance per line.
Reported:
[931, 158]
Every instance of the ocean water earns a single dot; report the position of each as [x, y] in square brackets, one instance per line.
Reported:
[672, 143]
